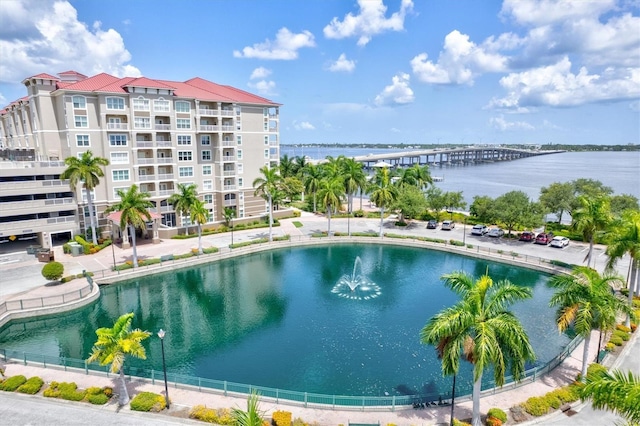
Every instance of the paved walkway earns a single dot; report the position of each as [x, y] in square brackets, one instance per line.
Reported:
[27, 287]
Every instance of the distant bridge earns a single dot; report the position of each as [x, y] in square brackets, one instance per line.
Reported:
[446, 156]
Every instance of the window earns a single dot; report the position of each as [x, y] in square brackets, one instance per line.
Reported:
[266, 140]
[238, 124]
[115, 103]
[161, 105]
[266, 126]
[185, 171]
[79, 102]
[141, 104]
[120, 175]
[206, 170]
[141, 122]
[185, 156]
[205, 140]
[92, 194]
[239, 139]
[82, 140]
[240, 182]
[239, 154]
[240, 168]
[184, 140]
[118, 140]
[119, 157]
[86, 210]
[183, 123]
[207, 185]
[206, 155]
[266, 153]
[208, 198]
[81, 121]
[115, 192]
[182, 106]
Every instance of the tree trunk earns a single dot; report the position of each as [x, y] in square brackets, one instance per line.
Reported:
[590, 253]
[381, 218]
[475, 416]
[270, 220]
[133, 245]
[92, 218]
[585, 356]
[361, 194]
[631, 287]
[199, 238]
[328, 221]
[123, 396]
[315, 207]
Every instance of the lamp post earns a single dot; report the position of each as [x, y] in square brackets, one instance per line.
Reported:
[453, 398]
[231, 221]
[113, 250]
[161, 335]
[464, 232]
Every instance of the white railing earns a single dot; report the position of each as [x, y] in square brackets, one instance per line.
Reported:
[208, 112]
[164, 192]
[143, 144]
[230, 187]
[165, 176]
[166, 208]
[164, 144]
[32, 184]
[230, 144]
[209, 128]
[165, 160]
[229, 173]
[118, 126]
[159, 126]
[59, 201]
[227, 112]
[143, 126]
[230, 202]
[145, 160]
[146, 178]
[228, 158]
[227, 128]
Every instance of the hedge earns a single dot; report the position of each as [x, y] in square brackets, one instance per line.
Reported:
[148, 401]
[13, 383]
[32, 386]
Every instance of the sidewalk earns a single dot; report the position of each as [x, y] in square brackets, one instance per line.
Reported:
[182, 398]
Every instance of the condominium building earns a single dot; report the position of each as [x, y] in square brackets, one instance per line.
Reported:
[155, 133]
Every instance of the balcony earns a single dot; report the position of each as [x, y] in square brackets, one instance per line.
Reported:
[142, 125]
[36, 204]
[117, 126]
[165, 209]
[228, 203]
[229, 144]
[228, 158]
[166, 192]
[229, 173]
[158, 126]
[229, 187]
[143, 144]
[208, 112]
[164, 144]
[227, 112]
[145, 160]
[274, 157]
[227, 128]
[165, 160]
[273, 143]
[146, 178]
[165, 176]
[209, 128]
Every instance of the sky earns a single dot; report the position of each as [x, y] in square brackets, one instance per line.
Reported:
[366, 71]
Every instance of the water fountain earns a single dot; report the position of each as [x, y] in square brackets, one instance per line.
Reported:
[356, 286]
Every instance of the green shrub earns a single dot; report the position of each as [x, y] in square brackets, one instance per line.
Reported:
[616, 340]
[13, 383]
[493, 421]
[297, 224]
[210, 250]
[456, 243]
[53, 271]
[148, 401]
[498, 414]
[457, 422]
[624, 328]
[281, 418]
[564, 394]
[64, 390]
[552, 400]
[32, 386]
[622, 334]
[221, 416]
[97, 399]
[536, 406]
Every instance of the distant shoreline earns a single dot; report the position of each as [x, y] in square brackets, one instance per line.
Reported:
[402, 146]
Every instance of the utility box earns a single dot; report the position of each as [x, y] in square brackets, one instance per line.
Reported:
[45, 256]
[76, 249]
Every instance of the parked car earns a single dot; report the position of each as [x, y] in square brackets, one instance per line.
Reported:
[479, 230]
[448, 225]
[495, 232]
[432, 224]
[544, 238]
[527, 236]
[559, 242]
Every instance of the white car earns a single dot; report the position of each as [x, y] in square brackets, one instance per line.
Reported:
[448, 225]
[479, 230]
[559, 242]
[495, 232]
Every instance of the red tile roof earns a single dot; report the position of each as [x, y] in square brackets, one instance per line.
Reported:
[147, 82]
[116, 216]
[71, 72]
[44, 76]
[94, 83]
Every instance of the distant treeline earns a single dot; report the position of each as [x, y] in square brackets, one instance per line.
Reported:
[546, 147]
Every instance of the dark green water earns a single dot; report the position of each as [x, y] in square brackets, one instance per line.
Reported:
[270, 319]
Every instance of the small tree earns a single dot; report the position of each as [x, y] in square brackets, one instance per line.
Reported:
[53, 271]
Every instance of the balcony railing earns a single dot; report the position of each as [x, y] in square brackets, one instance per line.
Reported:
[227, 112]
[34, 204]
[209, 128]
[32, 184]
[229, 187]
[146, 178]
[227, 128]
[167, 144]
[273, 143]
[228, 158]
[165, 176]
[230, 202]
[166, 208]
[145, 160]
[166, 160]
[143, 126]
[274, 157]
[159, 126]
[143, 144]
[231, 144]
[208, 112]
[229, 173]
[117, 126]
[165, 192]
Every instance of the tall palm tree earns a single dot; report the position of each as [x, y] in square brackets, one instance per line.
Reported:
[183, 200]
[267, 185]
[625, 239]
[354, 179]
[86, 170]
[134, 206]
[383, 193]
[114, 344]
[312, 176]
[586, 302]
[591, 218]
[331, 193]
[481, 329]
[614, 391]
[300, 162]
[422, 175]
[287, 166]
[199, 214]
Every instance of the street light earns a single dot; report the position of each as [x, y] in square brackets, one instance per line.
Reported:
[161, 334]
[113, 250]
[453, 398]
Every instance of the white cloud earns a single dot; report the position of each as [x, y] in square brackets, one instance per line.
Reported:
[545, 12]
[556, 85]
[303, 125]
[461, 60]
[342, 64]
[285, 47]
[3, 100]
[369, 22]
[398, 93]
[264, 87]
[51, 39]
[260, 72]
[501, 124]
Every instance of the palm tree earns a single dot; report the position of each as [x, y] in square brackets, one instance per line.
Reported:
[228, 214]
[591, 218]
[312, 177]
[114, 344]
[199, 214]
[253, 415]
[422, 175]
[614, 391]
[331, 193]
[586, 302]
[86, 170]
[267, 186]
[354, 179]
[133, 205]
[183, 200]
[625, 239]
[383, 193]
[480, 329]
[287, 166]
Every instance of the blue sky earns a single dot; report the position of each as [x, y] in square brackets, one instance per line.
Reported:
[367, 71]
